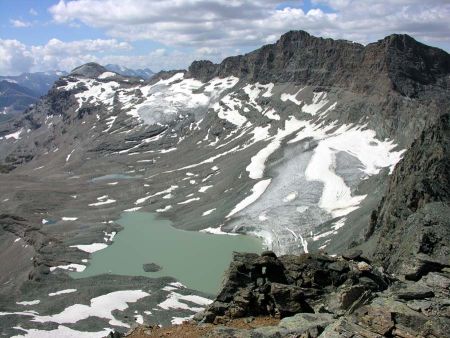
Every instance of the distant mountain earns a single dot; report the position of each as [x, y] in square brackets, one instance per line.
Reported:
[90, 69]
[39, 82]
[142, 73]
[18, 92]
[15, 98]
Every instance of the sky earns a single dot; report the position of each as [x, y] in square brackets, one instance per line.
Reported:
[41, 35]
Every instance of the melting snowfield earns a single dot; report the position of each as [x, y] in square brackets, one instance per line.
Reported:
[307, 188]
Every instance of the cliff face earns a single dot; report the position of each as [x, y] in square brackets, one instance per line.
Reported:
[323, 296]
[412, 221]
[397, 62]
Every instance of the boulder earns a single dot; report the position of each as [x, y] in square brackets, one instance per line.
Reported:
[151, 267]
[352, 254]
[350, 295]
[289, 299]
[415, 293]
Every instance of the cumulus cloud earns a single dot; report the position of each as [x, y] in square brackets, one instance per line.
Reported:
[214, 29]
[55, 54]
[15, 56]
[162, 59]
[231, 23]
[19, 23]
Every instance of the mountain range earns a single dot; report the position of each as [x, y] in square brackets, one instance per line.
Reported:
[145, 73]
[312, 145]
[20, 91]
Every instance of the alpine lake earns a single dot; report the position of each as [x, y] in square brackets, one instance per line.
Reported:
[196, 259]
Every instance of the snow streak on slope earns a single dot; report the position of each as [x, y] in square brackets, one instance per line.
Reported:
[238, 128]
[257, 190]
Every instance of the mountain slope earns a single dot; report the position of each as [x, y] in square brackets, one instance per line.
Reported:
[390, 72]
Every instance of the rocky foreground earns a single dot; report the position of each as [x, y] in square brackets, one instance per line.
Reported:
[319, 295]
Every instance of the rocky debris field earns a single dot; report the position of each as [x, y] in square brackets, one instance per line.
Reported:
[316, 295]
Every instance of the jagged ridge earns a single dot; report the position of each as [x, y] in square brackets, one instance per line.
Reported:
[396, 62]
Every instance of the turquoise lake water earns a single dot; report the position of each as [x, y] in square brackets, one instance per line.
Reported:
[198, 260]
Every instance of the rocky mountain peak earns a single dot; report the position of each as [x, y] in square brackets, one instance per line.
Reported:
[301, 38]
[89, 70]
[409, 64]
[203, 69]
[396, 63]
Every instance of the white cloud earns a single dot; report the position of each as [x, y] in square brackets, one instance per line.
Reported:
[15, 56]
[33, 12]
[19, 23]
[55, 54]
[207, 29]
[232, 23]
[164, 59]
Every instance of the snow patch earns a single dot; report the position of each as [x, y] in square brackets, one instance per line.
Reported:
[62, 331]
[208, 212]
[28, 303]
[69, 267]
[204, 188]
[69, 218]
[166, 208]
[257, 190]
[14, 135]
[132, 209]
[90, 247]
[174, 301]
[190, 200]
[61, 292]
[101, 306]
[106, 75]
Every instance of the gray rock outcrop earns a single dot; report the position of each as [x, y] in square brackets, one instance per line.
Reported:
[412, 224]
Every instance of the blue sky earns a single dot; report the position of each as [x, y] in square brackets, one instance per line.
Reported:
[162, 34]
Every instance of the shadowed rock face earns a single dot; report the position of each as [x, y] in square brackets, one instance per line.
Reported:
[404, 83]
[266, 285]
[397, 62]
[413, 218]
[322, 296]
